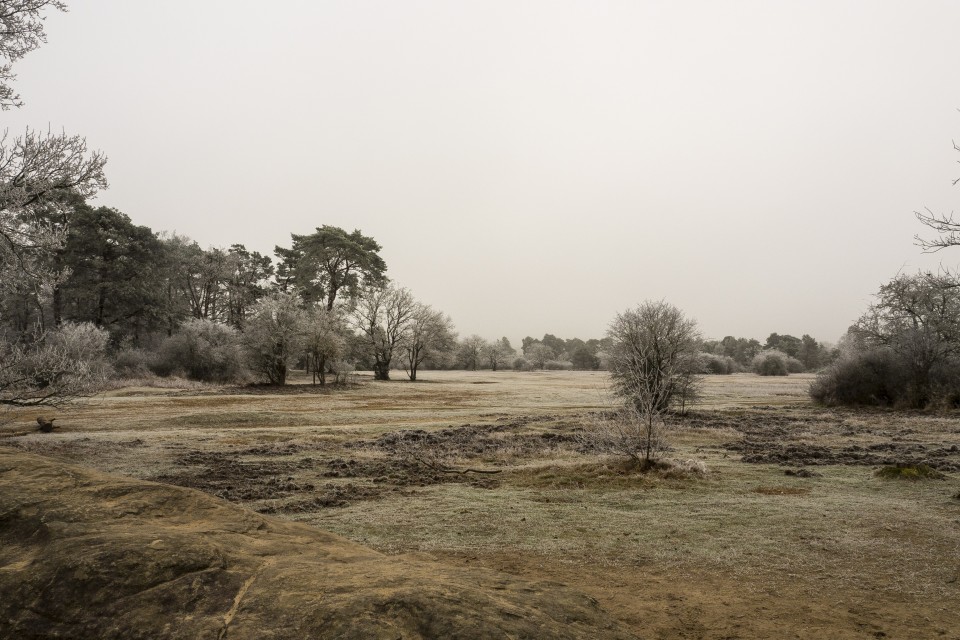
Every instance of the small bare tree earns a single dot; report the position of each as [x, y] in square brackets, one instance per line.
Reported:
[625, 431]
[431, 333]
[323, 339]
[498, 353]
[470, 352]
[653, 364]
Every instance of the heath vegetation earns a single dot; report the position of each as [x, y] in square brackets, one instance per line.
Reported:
[693, 487]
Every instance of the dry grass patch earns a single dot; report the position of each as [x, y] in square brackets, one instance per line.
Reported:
[609, 475]
[782, 491]
[841, 543]
[909, 472]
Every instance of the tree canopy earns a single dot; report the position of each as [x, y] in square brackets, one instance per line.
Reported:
[330, 261]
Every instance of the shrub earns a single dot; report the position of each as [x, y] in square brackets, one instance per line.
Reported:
[203, 350]
[630, 432]
[721, 365]
[910, 472]
[342, 371]
[134, 363]
[54, 367]
[874, 377]
[794, 365]
[82, 341]
[558, 365]
[770, 363]
[522, 364]
[274, 336]
[945, 385]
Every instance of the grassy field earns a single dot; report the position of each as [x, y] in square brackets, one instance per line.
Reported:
[743, 551]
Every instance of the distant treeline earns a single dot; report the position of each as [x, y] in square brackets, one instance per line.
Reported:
[117, 296]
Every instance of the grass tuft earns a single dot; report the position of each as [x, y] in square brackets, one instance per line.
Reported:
[910, 472]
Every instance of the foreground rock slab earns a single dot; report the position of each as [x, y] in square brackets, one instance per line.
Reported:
[84, 554]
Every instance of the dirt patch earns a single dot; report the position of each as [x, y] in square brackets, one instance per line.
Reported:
[284, 389]
[227, 476]
[477, 441]
[331, 495]
[889, 453]
[855, 439]
[402, 473]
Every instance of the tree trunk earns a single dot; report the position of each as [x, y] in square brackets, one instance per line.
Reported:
[57, 306]
[101, 304]
[279, 373]
[649, 436]
[381, 371]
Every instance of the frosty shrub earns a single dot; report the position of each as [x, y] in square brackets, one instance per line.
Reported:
[770, 363]
[202, 350]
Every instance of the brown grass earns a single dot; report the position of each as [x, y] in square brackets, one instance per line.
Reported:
[743, 551]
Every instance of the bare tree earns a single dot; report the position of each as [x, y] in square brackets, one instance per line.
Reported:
[35, 167]
[539, 354]
[626, 431]
[945, 225]
[497, 353]
[323, 338]
[383, 316]
[470, 352]
[40, 169]
[918, 319]
[431, 333]
[21, 33]
[653, 357]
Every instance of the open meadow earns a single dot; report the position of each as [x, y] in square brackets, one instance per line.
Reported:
[790, 533]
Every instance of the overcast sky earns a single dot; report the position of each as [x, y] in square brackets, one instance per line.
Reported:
[537, 166]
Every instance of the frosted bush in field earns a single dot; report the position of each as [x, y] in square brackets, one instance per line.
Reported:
[54, 367]
[203, 350]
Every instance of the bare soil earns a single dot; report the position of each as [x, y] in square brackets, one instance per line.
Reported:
[787, 437]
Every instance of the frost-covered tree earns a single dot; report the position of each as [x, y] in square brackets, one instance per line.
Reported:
[653, 362]
[54, 367]
[323, 340]
[383, 316]
[431, 334]
[274, 336]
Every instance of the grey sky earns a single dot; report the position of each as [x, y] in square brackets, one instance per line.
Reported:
[534, 167]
